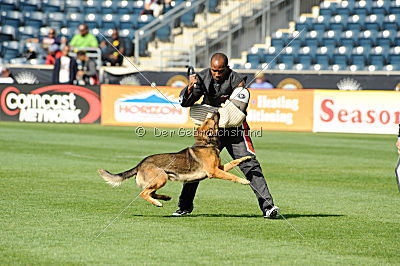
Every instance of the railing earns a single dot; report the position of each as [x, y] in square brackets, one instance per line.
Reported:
[178, 58]
[163, 20]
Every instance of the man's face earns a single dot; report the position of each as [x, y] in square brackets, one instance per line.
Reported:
[218, 70]
[114, 35]
[65, 50]
[52, 33]
[83, 30]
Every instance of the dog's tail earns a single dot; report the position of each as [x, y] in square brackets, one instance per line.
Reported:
[116, 179]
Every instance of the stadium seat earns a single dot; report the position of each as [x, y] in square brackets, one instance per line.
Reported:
[349, 38]
[11, 50]
[305, 60]
[305, 23]
[110, 21]
[35, 19]
[391, 22]
[345, 7]
[362, 7]
[394, 56]
[295, 43]
[327, 8]
[395, 7]
[73, 6]
[7, 33]
[137, 7]
[341, 56]
[320, 23]
[91, 7]
[125, 7]
[254, 59]
[386, 38]
[330, 39]
[377, 60]
[27, 32]
[68, 32]
[108, 7]
[306, 50]
[127, 33]
[279, 39]
[92, 20]
[337, 23]
[30, 5]
[49, 6]
[367, 39]
[374, 22]
[55, 20]
[380, 7]
[74, 20]
[355, 23]
[322, 60]
[212, 6]
[7, 5]
[187, 19]
[143, 20]
[358, 58]
[127, 21]
[12, 18]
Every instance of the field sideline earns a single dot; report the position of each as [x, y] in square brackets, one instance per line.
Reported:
[337, 190]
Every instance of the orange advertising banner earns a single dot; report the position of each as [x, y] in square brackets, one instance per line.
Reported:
[281, 109]
[147, 106]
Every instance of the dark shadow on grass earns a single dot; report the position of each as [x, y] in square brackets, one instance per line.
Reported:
[223, 215]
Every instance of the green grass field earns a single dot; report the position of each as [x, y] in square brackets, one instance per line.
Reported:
[337, 190]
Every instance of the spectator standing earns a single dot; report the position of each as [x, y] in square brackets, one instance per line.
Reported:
[151, 7]
[84, 39]
[109, 55]
[261, 82]
[87, 73]
[398, 141]
[65, 68]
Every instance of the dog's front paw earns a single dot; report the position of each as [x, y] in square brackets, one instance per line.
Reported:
[243, 181]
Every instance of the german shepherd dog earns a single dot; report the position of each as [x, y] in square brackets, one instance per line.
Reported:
[195, 163]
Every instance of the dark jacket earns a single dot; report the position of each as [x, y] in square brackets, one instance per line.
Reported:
[213, 95]
[73, 69]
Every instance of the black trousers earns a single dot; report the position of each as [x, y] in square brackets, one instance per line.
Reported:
[238, 145]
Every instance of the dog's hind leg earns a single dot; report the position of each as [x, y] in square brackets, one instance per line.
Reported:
[234, 163]
[155, 179]
[161, 197]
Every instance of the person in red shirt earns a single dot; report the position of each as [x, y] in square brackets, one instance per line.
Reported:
[54, 53]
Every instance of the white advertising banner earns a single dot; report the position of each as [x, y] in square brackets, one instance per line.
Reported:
[376, 112]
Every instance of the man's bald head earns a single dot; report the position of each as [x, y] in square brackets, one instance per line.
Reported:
[219, 66]
[219, 59]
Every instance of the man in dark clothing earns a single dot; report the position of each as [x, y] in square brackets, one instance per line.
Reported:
[87, 72]
[216, 84]
[109, 55]
[65, 68]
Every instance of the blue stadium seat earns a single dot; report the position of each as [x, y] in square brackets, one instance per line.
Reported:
[74, 20]
[7, 5]
[110, 21]
[30, 5]
[7, 33]
[108, 7]
[394, 56]
[305, 23]
[349, 38]
[395, 7]
[305, 60]
[337, 23]
[68, 32]
[49, 6]
[11, 50]
[137, 7]
[341, 56]
[143, 20]
[295, 44]
[164, 33]
[330, 39]
[327, 9]
[345, 7]
[254, 58]
[91, 7]
[12, 18]
[27, 32]
[187, 19]
[377, 60]
[279, 39]
[397, 40]
[55, 20]
[306, 50]
[127, 21]
[362, 7]
[391, 22]
[73, 6]
[380, 7]
[386, 38]
[374, 22]
[358, 58]
[367, 39]
[322, 60]
[125, 7]
[93, 20]
[320, 23]
[355, 23]
[127, 33]
[34, 19]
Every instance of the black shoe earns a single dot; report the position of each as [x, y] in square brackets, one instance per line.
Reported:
[180, 212]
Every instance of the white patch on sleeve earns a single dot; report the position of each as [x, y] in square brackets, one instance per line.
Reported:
[240, 94]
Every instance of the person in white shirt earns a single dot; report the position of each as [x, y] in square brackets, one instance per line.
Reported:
[65, 68]
[5, 76]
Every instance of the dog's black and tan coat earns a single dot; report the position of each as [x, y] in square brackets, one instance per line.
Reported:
[191, 164]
